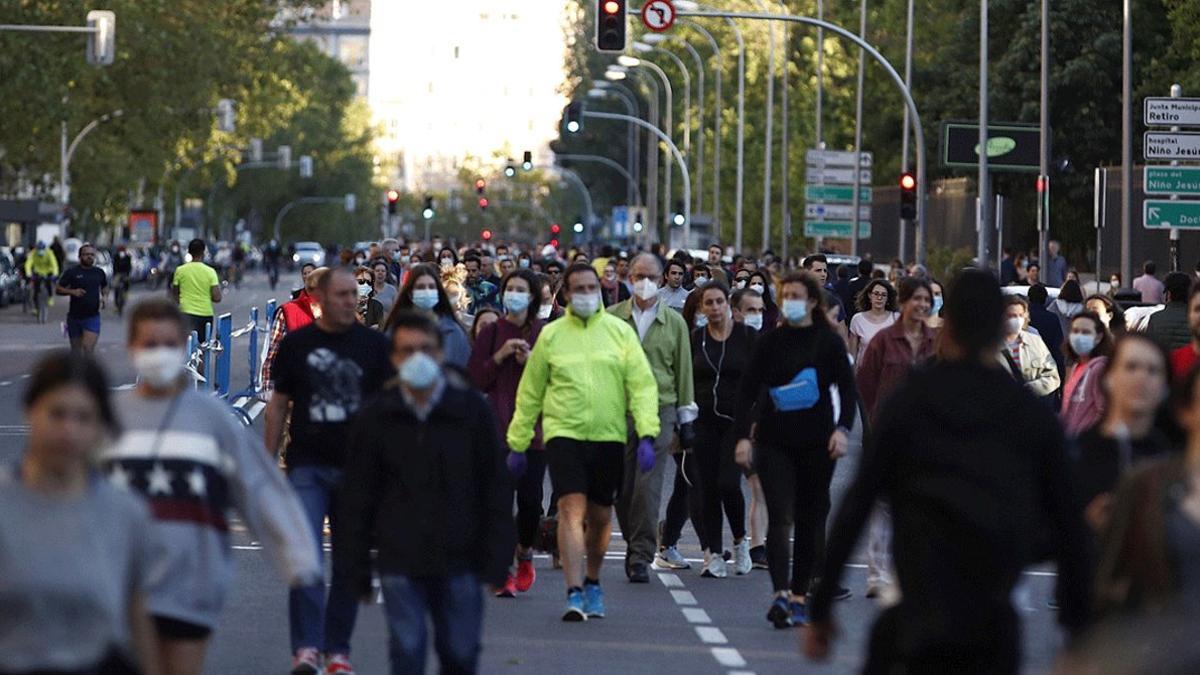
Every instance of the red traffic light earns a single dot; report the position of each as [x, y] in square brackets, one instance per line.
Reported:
[480, 184]
[908, 181]
[393, 196]
[611, 7]
[555, 229]
[1041, 184]
[487, 235]
[554, 243]
[483, 202]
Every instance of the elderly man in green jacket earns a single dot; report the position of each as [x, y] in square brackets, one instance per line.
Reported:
[586, 372]
[664, 337]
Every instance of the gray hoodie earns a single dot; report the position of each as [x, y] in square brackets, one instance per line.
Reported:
[194, 463]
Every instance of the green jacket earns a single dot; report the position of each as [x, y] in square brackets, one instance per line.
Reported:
[582, 378]
[668, 347]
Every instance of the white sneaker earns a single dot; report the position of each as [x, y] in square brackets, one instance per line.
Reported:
[742, 564]
[714, 566]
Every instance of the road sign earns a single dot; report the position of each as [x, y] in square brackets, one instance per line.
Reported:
[839, 158]
[1162, 111]
[819, 211]
[836, 229]
[1171, 180]
[1171, 145]
[836, 193]
[658, 15]
[1163, 213]
[836, 176]
[1011, 147]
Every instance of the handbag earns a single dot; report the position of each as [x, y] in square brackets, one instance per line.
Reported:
[802, 393]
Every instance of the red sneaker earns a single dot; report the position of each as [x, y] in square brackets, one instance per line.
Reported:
[525, 575]
[509, 589]
[338, 664]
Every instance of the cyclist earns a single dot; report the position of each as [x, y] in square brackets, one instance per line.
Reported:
[122, 270]
[271, 256]
[41, 269]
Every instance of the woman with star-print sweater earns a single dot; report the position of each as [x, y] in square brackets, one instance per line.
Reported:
[196, 465]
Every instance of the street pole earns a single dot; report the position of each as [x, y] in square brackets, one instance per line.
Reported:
[670, 129]
[819, 127]
[785, 201]
[1127, 144]
[698, 163]
[908, 57]
[687, 106]
[1043, 209]
[629, 98]
[1100, 211]
[984, 201]
[769, 132]
[739, 189]
[606, 161]
[858, 113]
[683, 170]
[1173, 252]
[718, 107]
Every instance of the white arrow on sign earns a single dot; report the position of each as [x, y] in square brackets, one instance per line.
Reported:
[835, 176]
[658, 15]
[839, 158]
[1153, 213]
[815, 211]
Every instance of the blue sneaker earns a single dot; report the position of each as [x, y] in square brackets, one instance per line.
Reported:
[780, 614]
[575, 607]
[799, 613]
[594, 600]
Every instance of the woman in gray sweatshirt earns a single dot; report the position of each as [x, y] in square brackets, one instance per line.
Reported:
[193, 463]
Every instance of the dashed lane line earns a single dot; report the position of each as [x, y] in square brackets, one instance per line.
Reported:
[728, 657]
[683, 597]
[695, 615]
[711, 635]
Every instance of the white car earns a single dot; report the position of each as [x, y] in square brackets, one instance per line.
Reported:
[309, 252]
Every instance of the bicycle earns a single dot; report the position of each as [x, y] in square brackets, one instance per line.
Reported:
[40, 302]
[120, 292]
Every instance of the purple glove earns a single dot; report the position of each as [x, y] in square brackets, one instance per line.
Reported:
[516, 462]
[645, 455]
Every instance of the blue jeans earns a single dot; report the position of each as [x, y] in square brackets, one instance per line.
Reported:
[314, 622]
[456, 606]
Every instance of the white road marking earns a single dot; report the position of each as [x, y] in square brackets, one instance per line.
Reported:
[5, 383]
[728, 657]
[26, 376]
[671, 580]
[683, 597]
[695, 615]
[741, 672]
[711, 635]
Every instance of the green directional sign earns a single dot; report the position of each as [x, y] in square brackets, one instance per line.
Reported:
[836, 193]
[1171, 180]
[837, 229]
[1162, 213]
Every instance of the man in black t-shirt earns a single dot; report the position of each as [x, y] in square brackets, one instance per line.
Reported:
[86, 284]
[325, 371]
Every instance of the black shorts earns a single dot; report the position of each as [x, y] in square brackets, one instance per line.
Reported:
[174, 629]
[586, 467]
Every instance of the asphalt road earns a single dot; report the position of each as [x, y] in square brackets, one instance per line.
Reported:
[679, 622]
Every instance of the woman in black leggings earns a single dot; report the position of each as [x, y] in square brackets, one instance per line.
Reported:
[785, 397]
[721, 352]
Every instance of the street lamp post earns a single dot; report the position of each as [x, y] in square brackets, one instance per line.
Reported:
[67, 153]
[858, 113]
[717, 109]
[785, 197]
[630, 144]
[615, 74]
[687, 95]
[698, 164]
[632, 62]
[769, 131]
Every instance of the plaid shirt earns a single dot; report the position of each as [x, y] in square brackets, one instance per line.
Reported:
[278, 331]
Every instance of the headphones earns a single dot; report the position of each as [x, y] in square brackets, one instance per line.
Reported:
[716, 368]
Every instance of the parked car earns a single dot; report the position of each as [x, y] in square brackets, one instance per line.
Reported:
[10, 280]
[309, 252]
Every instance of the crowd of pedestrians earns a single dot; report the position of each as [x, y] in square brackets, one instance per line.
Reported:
[418, 395]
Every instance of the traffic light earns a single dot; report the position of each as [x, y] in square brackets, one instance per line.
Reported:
[678, 217]
[610, 25]
[480, 186]
[527, 161]
[483, 203]
[510, 170]
[428, 212]
[486, 235]
[908, 196]
[555, 228]
[573, 117]
[393, 196]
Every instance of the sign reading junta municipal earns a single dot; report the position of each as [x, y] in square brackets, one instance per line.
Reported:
[839, 158]
[836, 193]
[1171, 180]
[1162, 111]
[1163, 213]
[1171, 145]
[836, 229]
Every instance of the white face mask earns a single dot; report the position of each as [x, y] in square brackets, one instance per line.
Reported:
[585, 304]
[364, 290]
[544, 312]
[159, 367]
[701, 320]
[754, 321]
[758, 288]
[1014, 325]
[419, 371]
[700, 281]
[646, 289]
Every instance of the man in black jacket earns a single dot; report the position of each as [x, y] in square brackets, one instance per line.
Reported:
[428, 485]
[971, 508]
[1170, 324]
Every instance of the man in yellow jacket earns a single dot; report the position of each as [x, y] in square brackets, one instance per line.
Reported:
[586, 372]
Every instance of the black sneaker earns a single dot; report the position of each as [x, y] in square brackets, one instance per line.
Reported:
[758, 556]
[839, 593]
[638, 573]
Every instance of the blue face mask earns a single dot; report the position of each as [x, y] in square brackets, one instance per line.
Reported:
[516, 301]
[701, 320]
[425, 298]
[937, 306]
[794, 311]
[419, 371]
